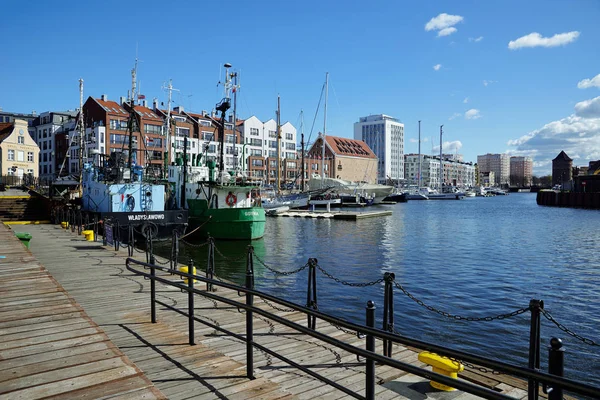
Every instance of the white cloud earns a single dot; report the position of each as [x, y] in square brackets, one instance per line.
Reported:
[588, 108]
[466, 100]
[536, 40]
[578, 135]
[446, 31]
[477, 39]
[473, 113]
[455, 115]
[442, 21]
[588, 83]
[486, 82]
[444, 24]
[437, 67]
[449, 147]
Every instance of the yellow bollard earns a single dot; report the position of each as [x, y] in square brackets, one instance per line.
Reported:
[184, 269]
[89, 235]
[64, 224]
[442, 365]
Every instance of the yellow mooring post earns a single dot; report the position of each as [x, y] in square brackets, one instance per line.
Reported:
[64, 224]
[442, 365]
[89, 235]
[184, 269]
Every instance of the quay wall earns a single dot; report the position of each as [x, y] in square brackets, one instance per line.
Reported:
[555, 198]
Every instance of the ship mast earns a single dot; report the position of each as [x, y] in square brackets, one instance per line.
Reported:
[132, 115]
[234, 89]
[168, 133]
[223, 106]
[324, 131]
[419, 180]
[302, 147]
[441, 163]
[278, 144]
[81, 134]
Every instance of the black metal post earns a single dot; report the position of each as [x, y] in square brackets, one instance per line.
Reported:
[210, 265]
[117, 236]
[175, 250]
[191, 302]
[249, 324]
[152, 289]
[370, 345]
[79, 222]
[311, 292]
[96, 228]
[131, 240]
[388, 311]
[556, 366]
[534, 346]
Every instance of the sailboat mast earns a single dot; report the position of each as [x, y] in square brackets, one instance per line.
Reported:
[278, 143]
[324, 130]
[168, 144]
[419, 179]
[234, 75]
[302, 147]
[441, 162]
[81, 134]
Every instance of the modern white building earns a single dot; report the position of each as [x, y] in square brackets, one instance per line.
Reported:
[385, 136]
[499, 164]
[456, 173]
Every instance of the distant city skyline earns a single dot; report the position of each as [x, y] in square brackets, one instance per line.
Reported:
[511, 77]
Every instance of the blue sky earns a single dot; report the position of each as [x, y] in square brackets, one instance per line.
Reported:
[524, 100]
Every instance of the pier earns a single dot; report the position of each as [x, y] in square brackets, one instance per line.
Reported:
[187, 359]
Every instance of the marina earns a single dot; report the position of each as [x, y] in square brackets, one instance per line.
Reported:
[125, 325]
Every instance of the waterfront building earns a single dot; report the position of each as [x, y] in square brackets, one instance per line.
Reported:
[259, 150]
[385, 137]
[48, 131]
[487, 178]
[19, 153]
[7, 116]
[347, 159]
[521, 171]
[562, 169]
[456, 172]
[499, 164]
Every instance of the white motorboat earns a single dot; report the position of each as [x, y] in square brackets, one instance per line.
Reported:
[369, 190]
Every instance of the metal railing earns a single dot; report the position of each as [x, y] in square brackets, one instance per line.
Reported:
[125, 237]
[554, 384]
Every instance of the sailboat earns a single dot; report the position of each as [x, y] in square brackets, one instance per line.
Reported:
[450, 193]
[221, 205]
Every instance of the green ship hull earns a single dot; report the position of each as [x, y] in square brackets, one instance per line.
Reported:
[233, 223]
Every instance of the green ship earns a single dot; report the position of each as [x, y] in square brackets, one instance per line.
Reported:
[220, 205]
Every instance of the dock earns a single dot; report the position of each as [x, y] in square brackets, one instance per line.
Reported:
[69, 275]
[343, 215]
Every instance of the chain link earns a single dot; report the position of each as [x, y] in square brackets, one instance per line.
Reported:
[193, 245]
[343, 282]
[273, 270]
[567, 330]
[267, 302]
[458, 317]
[160, 262]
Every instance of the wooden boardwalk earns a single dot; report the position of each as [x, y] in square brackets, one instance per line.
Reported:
[49, 347]
[119, 302]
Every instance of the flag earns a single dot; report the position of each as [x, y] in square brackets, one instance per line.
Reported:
[141, 97]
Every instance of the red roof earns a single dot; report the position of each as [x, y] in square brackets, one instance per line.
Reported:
[6, 128]
[147, 113]
[349, 147]
[112, 107]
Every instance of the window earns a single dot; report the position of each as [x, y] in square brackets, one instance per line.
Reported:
[30, 171]
[229, 150]
[230, 138]
[20, 155]
[10, 172]
[272, 134]
[45, 157]
[44, 145]
[153, 142]
[118, 124]
[255, 152]
[290, 146]
[257, 163]
[21, 140]
[117, 139]
[272, 144]
[11, 155]
[30, 156]
[291, 165]
[208, 135]
[255, 142]
[179, 118]
[254, 131]
[289, 136]
[205, 123]
[272, 153]
[229, 126]
[183, 132]
[155, 129]
[45, 133]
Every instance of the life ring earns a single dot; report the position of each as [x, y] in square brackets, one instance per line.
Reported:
[231, 199]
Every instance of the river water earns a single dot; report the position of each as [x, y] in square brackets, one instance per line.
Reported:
[474, 258]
